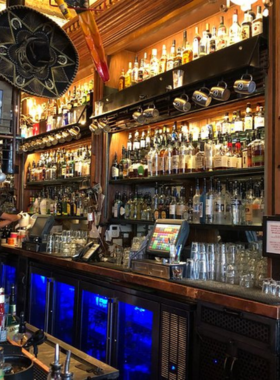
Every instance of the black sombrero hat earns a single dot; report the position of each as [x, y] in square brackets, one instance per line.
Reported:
[36, 55]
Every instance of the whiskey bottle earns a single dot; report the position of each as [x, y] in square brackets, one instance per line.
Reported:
[222, 38]
[122, 80]
[115, 168]
[259, 121]
[141, 71]
[246, 27]
[213, 41]
[154, 64]
[171, 58]
[178, 58]
[163, 60]
[181, 206]
[196, 44]
[187, 55]
[134, 74]
[128, 75]
[204, 42]
[248, 118]
[257, 24]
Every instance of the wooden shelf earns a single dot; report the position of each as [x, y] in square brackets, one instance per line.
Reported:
[222, 227]
[177, 178]
[205, 71]
[56, 182]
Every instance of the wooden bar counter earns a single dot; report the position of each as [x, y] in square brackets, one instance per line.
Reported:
[229, 296]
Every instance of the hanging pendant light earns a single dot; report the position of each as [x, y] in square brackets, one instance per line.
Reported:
[245, 5]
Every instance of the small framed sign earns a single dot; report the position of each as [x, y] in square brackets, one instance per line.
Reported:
[271, 236]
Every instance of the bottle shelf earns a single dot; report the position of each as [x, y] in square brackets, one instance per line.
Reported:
[178, 178]
[65, 217]
[56, 182]
[232, 61]
[222, 227]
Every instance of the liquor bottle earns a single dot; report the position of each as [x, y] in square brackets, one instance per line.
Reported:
[234, 30]
[246, 27]
[129, 142]
[134, 74]
[175, 158]
[136, 141]
[172, 205]
[259, 120]
[203, 202]
[115, 168]
[209, 152]
[248, 217]
[196, 204]
[55, 367]
[117, 205]
[213, 41]
[122, 80]
[246, 142]
[161, 204]
[128, 76]
[155, 161]
[226, 125]
[28, 173]
[74, 97]
[219, 208]
[238, 123]
[258, 150]
[187, 55]
[204, 42]
[222, 38]
[183, 156]
[141, 71]
[248, 118]
[147, 73]
[12, 324]
[168, 157]
[127, 207]
[189, 213]
[196, 44]
[150, 160]
[171, 58]
[191, 155]
[228, 196]
[163, 60]
[236, 205]
[238, 154]
[161, 162]
[154, 64]
[257, 207]
[257, 24]
[155, 202]
[219, 159]
[178, 58]
[181, 206]
[231, 159]
[209, 204]
[199, 159]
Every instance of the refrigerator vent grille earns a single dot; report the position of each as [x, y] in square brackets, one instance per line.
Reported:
[248, 366]
[245, 327]
[174, 338]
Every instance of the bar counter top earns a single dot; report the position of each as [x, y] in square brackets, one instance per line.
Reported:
[230, 296]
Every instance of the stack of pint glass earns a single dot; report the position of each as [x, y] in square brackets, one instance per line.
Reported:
[227, 262]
